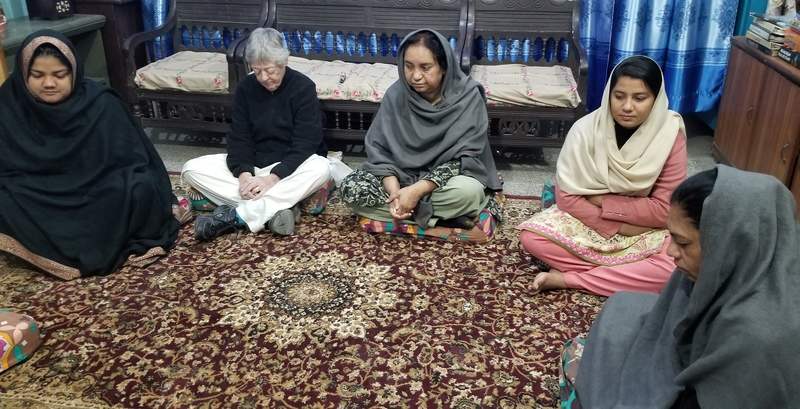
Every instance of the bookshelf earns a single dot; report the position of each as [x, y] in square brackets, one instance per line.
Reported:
[758, 124]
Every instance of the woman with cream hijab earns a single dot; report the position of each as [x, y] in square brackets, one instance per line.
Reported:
[615, 175]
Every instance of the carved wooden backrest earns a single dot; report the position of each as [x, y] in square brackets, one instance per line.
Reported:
[206, 25]
[532, 32]
[364, 30]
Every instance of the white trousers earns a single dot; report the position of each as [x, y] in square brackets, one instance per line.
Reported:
[210, 176]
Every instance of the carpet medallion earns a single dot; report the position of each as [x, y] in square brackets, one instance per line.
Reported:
[330, 317]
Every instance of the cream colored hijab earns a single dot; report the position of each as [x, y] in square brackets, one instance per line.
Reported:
[590, 163]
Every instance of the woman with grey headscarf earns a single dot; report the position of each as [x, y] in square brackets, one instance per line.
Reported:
[428, 156]
[724, 331]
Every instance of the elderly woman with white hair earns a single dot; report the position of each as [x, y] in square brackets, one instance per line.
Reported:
[276, 155]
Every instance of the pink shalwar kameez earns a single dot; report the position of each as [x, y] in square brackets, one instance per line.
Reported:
[649, 274]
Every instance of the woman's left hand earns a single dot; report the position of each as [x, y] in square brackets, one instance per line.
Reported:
[632, 230]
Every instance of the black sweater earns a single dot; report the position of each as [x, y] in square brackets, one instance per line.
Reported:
[283, 126]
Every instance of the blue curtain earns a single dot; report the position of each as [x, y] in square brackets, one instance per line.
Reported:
[154, 14]
[690, 39]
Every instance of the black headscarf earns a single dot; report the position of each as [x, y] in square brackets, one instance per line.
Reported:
[80, 183]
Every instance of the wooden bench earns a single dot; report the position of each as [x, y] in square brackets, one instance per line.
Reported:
[540, 33]
[195, 26]
[367, 31]
[493, 33]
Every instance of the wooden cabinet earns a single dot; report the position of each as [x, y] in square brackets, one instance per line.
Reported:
[796, 185]
[759, 117]
[737, 112]
[123, 18]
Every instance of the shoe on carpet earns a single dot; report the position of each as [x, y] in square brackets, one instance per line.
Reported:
[283, 221]
[221, 221]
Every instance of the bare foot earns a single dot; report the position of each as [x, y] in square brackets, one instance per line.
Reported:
[551, 280]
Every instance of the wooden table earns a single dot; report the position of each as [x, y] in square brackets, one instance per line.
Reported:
[82, 29]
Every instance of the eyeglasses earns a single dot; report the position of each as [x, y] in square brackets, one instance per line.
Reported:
[271, 71]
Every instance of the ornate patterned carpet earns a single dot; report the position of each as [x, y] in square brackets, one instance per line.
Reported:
[330, 317]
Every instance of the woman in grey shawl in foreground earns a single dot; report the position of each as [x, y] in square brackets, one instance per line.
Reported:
[724, 332]
[428, 155]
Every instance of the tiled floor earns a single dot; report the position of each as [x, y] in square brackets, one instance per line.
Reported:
[522, 176]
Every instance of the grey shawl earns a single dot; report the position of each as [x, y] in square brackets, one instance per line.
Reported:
[732, 335]
[409, 136]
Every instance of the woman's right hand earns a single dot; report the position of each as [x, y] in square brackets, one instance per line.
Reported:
[391, 184]
[596, 200]
[245, 181]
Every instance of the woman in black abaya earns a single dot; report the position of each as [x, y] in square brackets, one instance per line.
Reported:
[82, 190]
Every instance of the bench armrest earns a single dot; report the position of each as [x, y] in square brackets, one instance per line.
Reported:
[133, 41]
[466, 31]
[580, 71]
[237, 66]
[580, 68]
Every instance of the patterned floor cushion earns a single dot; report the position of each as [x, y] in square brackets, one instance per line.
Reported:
[19, 338]
[518, 84]
[189, 71]
[339, 80]
[482, 232]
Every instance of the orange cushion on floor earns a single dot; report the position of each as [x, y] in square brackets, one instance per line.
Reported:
[482, 232]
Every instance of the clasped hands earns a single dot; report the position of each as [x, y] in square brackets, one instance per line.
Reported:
[403, 201]
[254, 187]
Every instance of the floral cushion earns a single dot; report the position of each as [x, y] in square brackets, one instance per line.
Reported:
[19, 338]
[339, 80]
[189, 71]
[518, 84]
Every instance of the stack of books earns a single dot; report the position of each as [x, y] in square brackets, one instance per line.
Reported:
[790, 51]
[767, 33]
